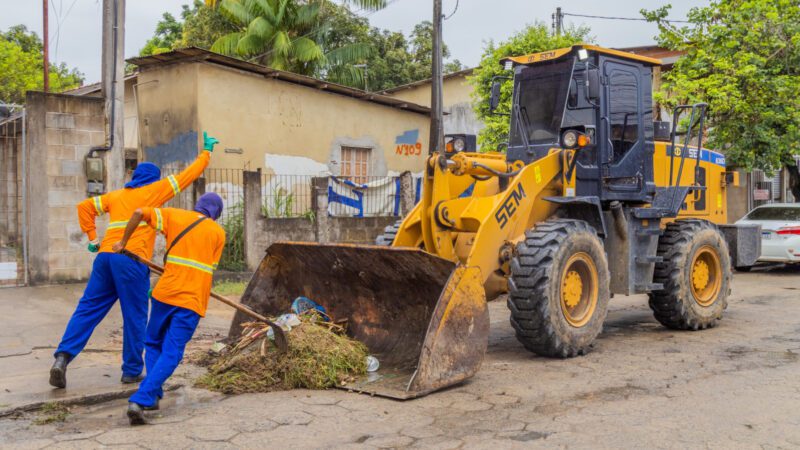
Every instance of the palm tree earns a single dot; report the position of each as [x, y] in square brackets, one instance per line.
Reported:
[290, 35]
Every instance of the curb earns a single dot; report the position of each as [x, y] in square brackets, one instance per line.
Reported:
[85, 400]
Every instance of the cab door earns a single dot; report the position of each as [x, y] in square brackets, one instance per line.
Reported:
[624, 154]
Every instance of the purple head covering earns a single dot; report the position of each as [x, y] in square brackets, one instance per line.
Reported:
[209, 204]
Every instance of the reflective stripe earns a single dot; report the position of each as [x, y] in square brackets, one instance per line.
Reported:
[186, 262]
[98, 205]
[159, 220]
[176, 188]
[122, 224]
[215, 266]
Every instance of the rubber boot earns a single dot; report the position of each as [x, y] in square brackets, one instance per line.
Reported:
[136, 414]
[58, 373]
[128, 379]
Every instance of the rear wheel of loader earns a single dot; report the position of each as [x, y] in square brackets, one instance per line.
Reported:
[389, 233]
[558, 288]
[696, 275]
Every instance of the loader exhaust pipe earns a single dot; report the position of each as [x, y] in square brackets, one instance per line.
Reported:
[423, 317]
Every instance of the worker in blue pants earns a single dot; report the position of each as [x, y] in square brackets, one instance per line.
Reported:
[113, 276]
[195, 243]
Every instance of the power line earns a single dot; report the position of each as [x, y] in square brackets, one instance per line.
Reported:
[454, 11]
[620, 18]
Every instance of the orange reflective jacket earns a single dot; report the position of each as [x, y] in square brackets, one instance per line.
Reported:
[121, 204]
[186, 281]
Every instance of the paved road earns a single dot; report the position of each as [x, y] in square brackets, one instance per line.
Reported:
[735, 386]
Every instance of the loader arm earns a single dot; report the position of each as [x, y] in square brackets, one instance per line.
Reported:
[476, 230]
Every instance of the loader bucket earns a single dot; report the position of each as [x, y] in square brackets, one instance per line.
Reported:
[423, 317]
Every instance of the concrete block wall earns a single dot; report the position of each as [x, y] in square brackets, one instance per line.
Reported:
[61, 131]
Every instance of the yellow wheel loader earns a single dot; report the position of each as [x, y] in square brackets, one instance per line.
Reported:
[589, 199]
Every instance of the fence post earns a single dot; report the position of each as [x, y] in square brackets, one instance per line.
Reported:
[252, 212]
[406, 193]
[319, 204]
[198, 189]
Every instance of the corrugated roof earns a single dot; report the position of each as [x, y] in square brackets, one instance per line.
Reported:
[193, 54]
[93, 88]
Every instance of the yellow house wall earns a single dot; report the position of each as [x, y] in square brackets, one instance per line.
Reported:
[456, 95]
[167, 114]
[286, 128]
[455, 90]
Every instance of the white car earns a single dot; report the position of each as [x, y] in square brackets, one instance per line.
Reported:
[780, 231]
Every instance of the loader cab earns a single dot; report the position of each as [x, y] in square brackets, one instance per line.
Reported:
[600, 93]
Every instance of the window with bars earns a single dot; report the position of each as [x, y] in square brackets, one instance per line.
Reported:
[355, 164]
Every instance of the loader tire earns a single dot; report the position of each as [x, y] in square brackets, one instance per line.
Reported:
[559, 288]
[389, 233]
[695, 274]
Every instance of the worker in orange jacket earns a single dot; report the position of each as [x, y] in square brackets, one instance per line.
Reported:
[180, 298]
[117, 276]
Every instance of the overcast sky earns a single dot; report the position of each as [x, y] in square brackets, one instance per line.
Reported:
[75, 25]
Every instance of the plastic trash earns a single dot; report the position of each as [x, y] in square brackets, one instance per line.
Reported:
[288, 321]
[218, 347]
[373, 364]
[304, 304]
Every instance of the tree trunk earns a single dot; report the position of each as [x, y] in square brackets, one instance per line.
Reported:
[794, 181]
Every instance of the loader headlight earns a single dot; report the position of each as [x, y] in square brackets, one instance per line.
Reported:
[459, 145]
[574, 139]
[569, 139]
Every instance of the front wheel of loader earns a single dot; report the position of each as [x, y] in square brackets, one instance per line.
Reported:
[559, 288]
[696, 275]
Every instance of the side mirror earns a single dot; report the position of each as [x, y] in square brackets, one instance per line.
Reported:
[593, 83]
[494, 98]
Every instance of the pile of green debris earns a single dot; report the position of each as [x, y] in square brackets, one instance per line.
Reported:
[320, 356]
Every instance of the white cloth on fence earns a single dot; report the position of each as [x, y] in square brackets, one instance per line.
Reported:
[377, 198]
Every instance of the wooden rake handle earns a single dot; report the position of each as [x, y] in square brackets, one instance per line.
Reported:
[280, 336]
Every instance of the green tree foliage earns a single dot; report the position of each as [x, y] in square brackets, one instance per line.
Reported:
[534, 38]
[396, 60]
[21, 65]
[168, 32]
[743, 59]
[391, 58]
[289, 35]
[200, 26]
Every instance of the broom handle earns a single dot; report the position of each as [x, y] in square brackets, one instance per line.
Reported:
[227, 301]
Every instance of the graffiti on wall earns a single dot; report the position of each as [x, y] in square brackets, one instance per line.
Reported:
[181, 150]
[408, 144]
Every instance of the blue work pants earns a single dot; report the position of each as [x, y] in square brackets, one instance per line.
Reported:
[169, 329]
[114, 276]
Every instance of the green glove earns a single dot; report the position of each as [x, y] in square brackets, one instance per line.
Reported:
[208, 142]
[94, 246]
[150, 293]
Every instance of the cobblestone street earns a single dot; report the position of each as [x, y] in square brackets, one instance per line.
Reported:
[737, 385]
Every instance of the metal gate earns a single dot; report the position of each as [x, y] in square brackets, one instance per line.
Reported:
[13, 227]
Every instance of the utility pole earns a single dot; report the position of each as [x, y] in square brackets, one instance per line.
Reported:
[436, 142]
[558, 21]
[45, 56]
[113, 89]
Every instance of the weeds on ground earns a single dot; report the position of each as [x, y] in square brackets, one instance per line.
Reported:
[320, 356]
[230, 287]
[52, 412]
